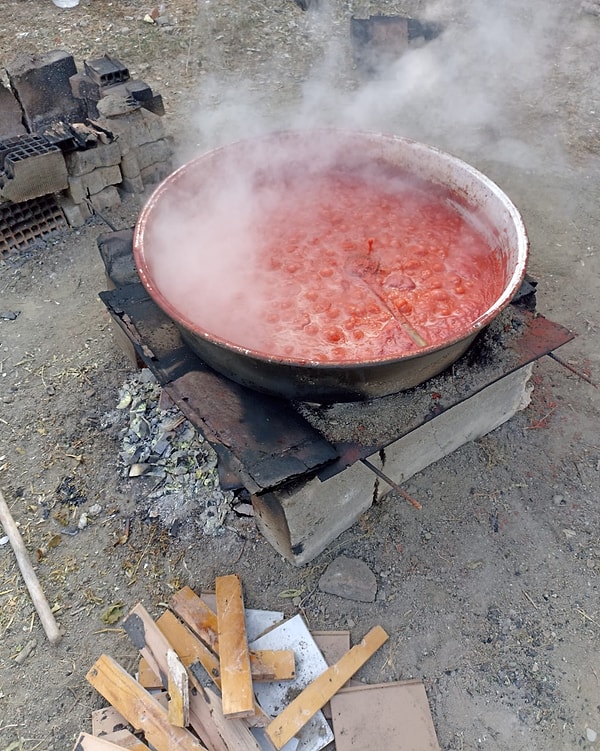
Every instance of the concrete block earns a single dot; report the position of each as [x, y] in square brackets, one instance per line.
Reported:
[153, 153]
[82, 162]
[136, 128]
[108, 198]
[130, 167]
[156, 173]
[106, 70]
[76, 213]
[132, 184]
[32, 168]
[41, 84]
[93, 182]
[300, 522]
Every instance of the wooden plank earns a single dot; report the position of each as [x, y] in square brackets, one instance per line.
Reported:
[188, 647]
[236, 677]
[272, 665]
[178, 710]
[320, 691]
[199, 617]
[138, 707]
[264, 665]
[192, 651]
[87, 742]
[125, 739]
[146, 676]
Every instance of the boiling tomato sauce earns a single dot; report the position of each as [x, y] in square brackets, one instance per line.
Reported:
[356, 271]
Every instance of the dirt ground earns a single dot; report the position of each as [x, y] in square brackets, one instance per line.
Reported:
[491, 592]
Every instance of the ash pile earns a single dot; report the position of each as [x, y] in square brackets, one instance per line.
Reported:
[73, 140]
[174, 467]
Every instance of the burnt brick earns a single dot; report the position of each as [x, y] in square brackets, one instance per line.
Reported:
[41, 84]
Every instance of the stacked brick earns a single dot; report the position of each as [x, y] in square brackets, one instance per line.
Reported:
[84, 138]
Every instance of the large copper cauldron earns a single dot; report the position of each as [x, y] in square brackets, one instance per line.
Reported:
[194, 247]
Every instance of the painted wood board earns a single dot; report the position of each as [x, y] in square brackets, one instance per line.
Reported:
[390, 716]
[310, 663]
[236, 675]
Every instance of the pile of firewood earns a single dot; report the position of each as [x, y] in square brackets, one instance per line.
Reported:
[169, 706]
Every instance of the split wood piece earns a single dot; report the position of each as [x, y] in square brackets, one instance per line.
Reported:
[234, 660]
[265, 665]
[125, 739]
[87, 742]
[178, 710]
[192, 652]
[319, 692]
[32, 583]
[146, 676]
[138, 707]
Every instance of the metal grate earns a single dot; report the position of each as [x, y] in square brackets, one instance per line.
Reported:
[22, 224]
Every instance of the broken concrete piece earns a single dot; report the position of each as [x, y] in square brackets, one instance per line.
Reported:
[349, 578]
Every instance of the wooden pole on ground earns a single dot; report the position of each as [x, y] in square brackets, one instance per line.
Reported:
[29, 576]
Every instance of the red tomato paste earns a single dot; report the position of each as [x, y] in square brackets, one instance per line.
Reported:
[355, 271]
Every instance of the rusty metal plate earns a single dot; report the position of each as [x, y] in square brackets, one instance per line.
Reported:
[261, 440]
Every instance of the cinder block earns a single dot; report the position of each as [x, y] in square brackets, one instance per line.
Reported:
[108, 198]
[106, 70]
[156, 173]
[93, 182]
[76, 213]
[32, 168]
[41, 84]
[83, 162]
[300, 522]
[153, 153]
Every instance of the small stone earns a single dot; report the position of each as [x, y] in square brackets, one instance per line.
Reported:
[591, 735]
[349, 578]
[244, 509]
[94, 510]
